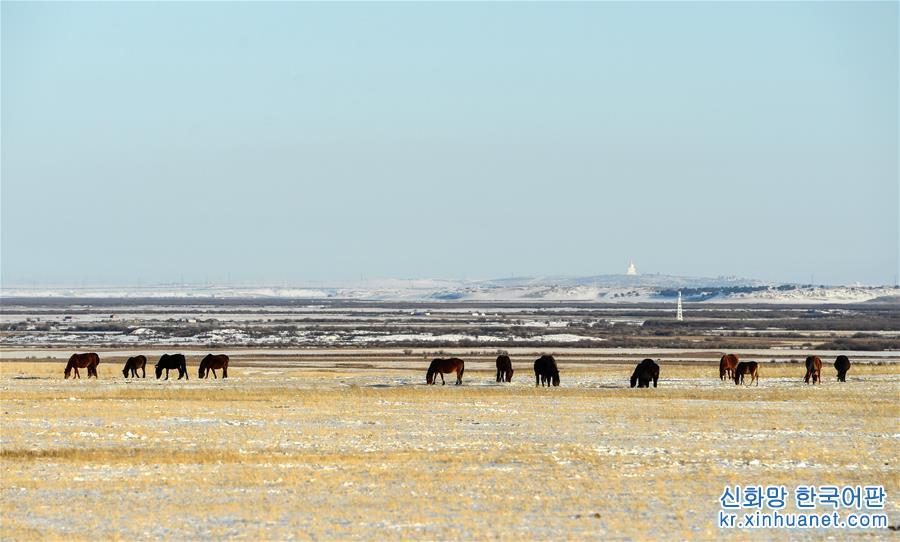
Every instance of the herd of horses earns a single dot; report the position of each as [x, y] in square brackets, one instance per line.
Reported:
[546, 371]
[166, 363]
[732, 368]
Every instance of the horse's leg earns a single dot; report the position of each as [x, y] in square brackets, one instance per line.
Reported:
[225, 372]
[214, 374]
[143, 372]
[442, 379]
[167, 373]
[537, 380]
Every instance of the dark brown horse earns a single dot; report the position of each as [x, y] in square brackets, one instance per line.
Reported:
[211, 363]
[813, 369]
[504, 368]
[545, 371]
[727, 365]
[842, 365]
[645, 371]
[133, 364]
[80, 361]
[172, 361]
[746, 367]
[442, 366]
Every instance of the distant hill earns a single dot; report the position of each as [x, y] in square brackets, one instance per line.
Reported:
[599, 288]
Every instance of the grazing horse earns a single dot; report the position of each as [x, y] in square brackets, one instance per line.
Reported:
[645, 371]
[172, 361]
[441, 366]
[504, 369]
[80, 361]
[545, 371]
[746, 367]
[813, 369]
[211, 363]
[842, 364]
[133, 364]
[727, 365]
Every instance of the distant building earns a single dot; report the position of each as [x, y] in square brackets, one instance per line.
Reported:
[632, 270]
[679, 315]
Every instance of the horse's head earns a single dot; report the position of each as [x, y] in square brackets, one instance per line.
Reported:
[202, 369]
[125, 371]
[68, 370]
[429, 377]
[556, 378]
[634, 379]
[159, 370]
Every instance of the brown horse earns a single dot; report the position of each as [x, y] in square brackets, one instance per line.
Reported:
[504, 368]
[211, 363]
[80, 361]
[546, 371]
[813, 369]
[727, 365]
[842, 365]
[746, 367]
[441, 366]
[133, 364]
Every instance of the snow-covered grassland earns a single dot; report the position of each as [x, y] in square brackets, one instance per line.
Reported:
[320, 450]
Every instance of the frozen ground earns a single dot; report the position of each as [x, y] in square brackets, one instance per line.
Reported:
[334, 453]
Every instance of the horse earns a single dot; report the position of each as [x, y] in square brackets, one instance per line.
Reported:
[441, 366]
[133, 364]
[211, 363]
[645, 371]
[546, 371]
[172, 361]
[813, 369]
[504, 369]
[727, 365]
[746, 367]
[842, 364]
[80, 361]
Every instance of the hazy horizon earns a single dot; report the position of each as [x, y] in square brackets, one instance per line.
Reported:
[294, 143]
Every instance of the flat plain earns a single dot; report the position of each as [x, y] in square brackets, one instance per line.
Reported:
[360, 448]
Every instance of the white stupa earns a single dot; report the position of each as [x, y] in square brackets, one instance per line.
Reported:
[632, 270]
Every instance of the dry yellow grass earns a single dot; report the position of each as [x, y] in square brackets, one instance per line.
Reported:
[276, 453]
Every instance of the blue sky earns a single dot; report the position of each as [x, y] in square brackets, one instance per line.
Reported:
[293, 142]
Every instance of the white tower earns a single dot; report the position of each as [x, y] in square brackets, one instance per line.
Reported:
[678, 314]
[632, 270]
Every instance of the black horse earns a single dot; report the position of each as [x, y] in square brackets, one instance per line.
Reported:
[746, 368]
[504, 368]
[645, 371]
[545, 371]
[172, 361]
[842, 365]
